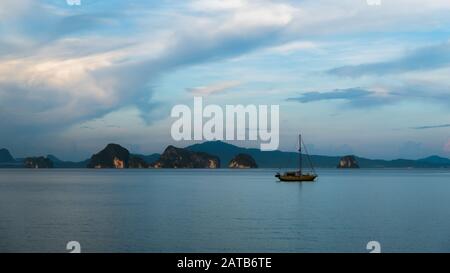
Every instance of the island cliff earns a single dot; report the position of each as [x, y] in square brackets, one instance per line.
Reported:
[114, 156]
[348, 162]
[174, 157]
[242, 161]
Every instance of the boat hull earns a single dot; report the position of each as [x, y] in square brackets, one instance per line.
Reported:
[296, 178]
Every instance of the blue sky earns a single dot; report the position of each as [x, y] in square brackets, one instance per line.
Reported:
[353, 78]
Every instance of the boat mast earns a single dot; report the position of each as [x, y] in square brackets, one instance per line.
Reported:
[300, 153]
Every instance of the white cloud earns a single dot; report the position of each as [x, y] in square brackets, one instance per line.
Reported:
[294, 46]
[325, 17]
[213, 88]
[217, 5]
[10, 9]
[240, 16]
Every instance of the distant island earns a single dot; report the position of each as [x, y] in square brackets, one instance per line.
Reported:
[348, 162]
[174, 157]
[115, 156]
[39, 162]
[211, 154]
[242, 161]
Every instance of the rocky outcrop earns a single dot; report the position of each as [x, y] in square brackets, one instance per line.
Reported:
[113, 156]
[38, 162]
[242, 161]
[174, 157]
[348, 162]
[5, 156]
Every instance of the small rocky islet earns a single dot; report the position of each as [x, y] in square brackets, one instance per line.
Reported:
[348, 162]
[112, 156]
[242, 161]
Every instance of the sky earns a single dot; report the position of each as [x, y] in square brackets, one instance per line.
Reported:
[353, 78]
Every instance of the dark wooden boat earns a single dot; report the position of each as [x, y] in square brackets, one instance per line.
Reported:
[299, 175]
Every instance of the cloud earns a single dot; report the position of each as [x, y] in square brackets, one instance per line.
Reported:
[213, 88]
[426, 58]
[217, 5]
[61, 66]
[70, 77]
[326, 17]
[431, 126]
[355, 97]
[382, 95]
[337, 94]
[27, 25]
[293, 47]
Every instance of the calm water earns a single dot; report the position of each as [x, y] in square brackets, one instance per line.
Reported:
[223, 211]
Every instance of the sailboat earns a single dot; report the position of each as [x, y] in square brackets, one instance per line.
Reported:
[299, 175]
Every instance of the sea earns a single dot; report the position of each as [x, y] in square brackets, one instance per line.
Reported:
[222, 210]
